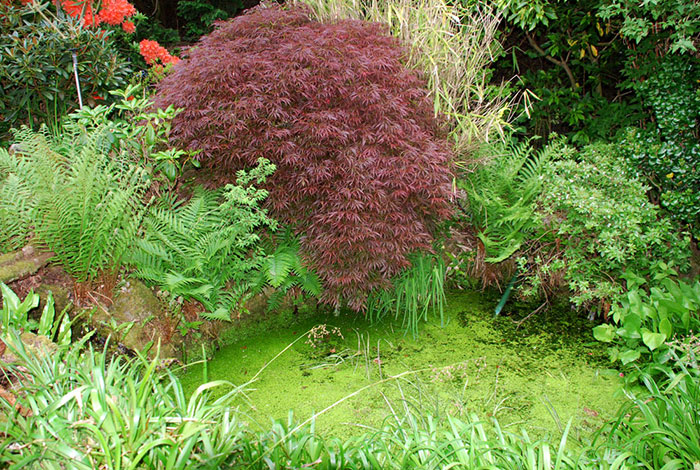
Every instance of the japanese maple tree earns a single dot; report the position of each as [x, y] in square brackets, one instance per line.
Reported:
[362, 163]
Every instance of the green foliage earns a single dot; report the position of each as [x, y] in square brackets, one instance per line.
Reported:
[283, 270]
[198, 16]
[16, 202]
[86, 202]
[501, 195]
[668, 150]
[197, 249]
[596, 222]
[673, 23]
[660, 427]
[15, 315]
[415, 293]
[647, 318]
[36, 79]
[87, 412]
[134, 128]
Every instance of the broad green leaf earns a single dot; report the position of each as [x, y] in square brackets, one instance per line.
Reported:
[630, 327]
[651, 339]
[628, 356]
[666, 328]
[47, 317]
[604, 333]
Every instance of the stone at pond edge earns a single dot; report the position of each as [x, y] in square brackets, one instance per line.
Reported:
[33, 343]
[21, 263]
[136, 303]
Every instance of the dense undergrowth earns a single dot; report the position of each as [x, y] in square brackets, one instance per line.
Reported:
[361, 155]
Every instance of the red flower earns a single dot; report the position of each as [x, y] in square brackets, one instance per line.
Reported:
[114, 12]
[153, 52]
[128, 27]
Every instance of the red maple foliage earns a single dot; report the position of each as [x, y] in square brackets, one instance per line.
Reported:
[363, 165]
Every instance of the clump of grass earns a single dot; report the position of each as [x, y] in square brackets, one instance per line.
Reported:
[78, 409]
[416, 292]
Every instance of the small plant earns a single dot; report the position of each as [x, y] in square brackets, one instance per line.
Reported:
[14, 315]
[283, 270]
[415, 293]
[207, 248]
[660, 426]
[79, 409]
[646, 319]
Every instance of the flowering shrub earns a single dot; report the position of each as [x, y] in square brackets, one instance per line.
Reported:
[362, 164]
[36, 79]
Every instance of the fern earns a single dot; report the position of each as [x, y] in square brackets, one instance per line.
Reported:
[283, 269]
[16, 202]
[502, 196]
[207, 248]
[85, 204]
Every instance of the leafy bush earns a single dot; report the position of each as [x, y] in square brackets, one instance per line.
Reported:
[36, 79]
[86, 203]
[361, 161]
[595, 223]
[648, 318]
[197, 249]
[139, 132]
[668, 150]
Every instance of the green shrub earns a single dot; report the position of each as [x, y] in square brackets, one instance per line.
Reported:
[36, 80]
[86, 203]
[595, 222]
[667, 152]
[198, 249]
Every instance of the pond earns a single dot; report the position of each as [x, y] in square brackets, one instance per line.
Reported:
[534, 374]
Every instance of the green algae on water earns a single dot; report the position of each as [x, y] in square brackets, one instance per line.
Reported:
[536, 375]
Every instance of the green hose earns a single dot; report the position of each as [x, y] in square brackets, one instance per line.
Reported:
[505, 296]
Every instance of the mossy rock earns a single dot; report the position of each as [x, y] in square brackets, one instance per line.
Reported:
[38, 345]
[22, 263]
[137, 318]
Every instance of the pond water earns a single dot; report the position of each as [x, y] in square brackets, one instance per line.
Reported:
[536, 375]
